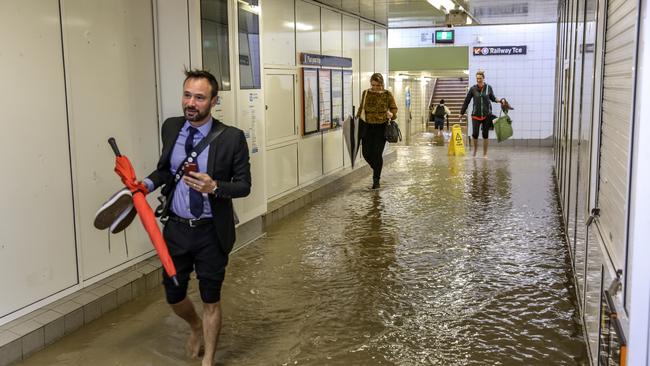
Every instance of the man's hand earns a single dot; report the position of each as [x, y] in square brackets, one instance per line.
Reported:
[200, 182]
[140, 186]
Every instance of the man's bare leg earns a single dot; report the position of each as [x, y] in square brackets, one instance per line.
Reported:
[485, 148]
[475, 143]
[185, 310]
[211, 329]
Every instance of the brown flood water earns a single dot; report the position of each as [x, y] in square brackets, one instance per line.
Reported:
[454, 261]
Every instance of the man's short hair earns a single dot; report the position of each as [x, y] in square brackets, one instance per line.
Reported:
[202, 74]
[481, 72]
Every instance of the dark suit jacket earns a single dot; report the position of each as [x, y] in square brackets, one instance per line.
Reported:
[228, 164]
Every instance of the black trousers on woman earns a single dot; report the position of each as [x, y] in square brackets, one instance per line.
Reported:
[372, 146]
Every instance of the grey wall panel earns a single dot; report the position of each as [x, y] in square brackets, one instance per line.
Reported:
[37, 242]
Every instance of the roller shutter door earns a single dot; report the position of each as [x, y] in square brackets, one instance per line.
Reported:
[618, 87]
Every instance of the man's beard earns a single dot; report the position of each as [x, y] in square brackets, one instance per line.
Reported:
[198, 116]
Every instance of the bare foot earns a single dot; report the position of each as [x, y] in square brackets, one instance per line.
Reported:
[193, 345]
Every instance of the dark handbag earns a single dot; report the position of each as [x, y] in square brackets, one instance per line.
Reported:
[392, 132]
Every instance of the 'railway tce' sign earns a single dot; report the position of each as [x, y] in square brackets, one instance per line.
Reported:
[499, 51]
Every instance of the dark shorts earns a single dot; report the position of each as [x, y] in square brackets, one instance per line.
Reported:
[485, 131]
[194, 249]
[440, 122]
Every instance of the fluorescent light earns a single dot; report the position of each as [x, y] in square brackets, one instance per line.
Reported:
[438, 4]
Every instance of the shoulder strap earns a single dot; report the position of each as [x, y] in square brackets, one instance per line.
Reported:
[196, 151]
[363, 101]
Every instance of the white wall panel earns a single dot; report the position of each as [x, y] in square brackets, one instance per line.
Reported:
[280, 113]
[278, 32]
[250, 118]
[351, 50]
[381, 54]
[173, 54]
[36, 220]
[124, 106]
[282, 169]
[618, 87]
[310, 158]
[331, 35]
[332, 150]
[307, 28]
[367, 54]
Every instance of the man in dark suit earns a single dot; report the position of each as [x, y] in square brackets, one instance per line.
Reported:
[199, 216]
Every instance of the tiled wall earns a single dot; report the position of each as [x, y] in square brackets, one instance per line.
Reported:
[527, 81]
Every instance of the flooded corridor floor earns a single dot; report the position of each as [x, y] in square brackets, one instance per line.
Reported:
[454, 261]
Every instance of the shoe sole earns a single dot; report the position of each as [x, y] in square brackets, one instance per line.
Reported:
[112, 209]
[124, 220]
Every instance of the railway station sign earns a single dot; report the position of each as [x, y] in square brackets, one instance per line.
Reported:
[499, 51]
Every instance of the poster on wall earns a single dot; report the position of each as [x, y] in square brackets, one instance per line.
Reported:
[347, 94]
[325, 99]
[337, 98]
[309, 101]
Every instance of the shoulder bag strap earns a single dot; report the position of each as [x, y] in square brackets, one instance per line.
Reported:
[196, 151]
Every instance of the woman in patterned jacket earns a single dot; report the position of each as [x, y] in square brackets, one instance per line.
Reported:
[379, 107]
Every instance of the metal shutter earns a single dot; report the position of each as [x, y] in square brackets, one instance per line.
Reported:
[618, 85]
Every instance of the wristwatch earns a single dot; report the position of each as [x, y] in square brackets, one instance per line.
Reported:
[216, 187]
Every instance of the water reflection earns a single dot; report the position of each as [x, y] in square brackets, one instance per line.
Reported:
[455, 261]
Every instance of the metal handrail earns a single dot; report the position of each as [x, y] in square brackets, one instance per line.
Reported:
[613, 333]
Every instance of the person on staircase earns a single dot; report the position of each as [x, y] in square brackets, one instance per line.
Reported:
[440, 113]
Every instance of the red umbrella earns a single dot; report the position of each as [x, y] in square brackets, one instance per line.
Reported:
[125, 170]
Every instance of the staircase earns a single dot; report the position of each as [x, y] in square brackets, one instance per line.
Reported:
[453, 91]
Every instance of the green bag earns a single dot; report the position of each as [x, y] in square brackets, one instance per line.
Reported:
[503, 127]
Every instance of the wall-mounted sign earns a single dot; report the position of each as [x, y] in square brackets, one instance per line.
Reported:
[444, 36]
[313, 59]
[499, 51]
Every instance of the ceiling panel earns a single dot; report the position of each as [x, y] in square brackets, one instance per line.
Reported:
[419, 13]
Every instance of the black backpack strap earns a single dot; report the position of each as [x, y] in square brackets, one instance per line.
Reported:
[196, 151]
[165, 197]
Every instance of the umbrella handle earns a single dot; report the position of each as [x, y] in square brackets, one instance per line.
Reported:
[111, 141]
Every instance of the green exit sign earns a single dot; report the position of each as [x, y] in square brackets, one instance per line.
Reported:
[444, 36]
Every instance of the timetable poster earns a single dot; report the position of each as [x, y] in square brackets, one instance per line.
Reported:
[325, 99]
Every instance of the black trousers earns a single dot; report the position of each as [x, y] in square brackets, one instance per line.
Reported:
[372, 146]
[195, 249]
